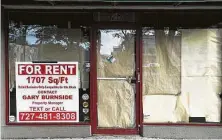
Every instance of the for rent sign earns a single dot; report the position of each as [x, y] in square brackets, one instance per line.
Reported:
[47, 92]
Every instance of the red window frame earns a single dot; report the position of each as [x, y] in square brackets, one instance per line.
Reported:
[7, 97]
[92, 88]
[164, 124]
[95, 129]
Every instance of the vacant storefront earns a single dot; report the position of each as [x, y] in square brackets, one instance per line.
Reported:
[151, 72]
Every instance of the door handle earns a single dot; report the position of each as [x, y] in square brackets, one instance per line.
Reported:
[111, 78]
[138, 77]
[128, 79]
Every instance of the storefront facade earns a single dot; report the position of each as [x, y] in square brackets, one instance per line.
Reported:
[79, 69]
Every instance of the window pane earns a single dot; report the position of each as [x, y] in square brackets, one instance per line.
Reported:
[182, 75]
[115, 91]
[201, 72]
[29, 43]
[161, 74]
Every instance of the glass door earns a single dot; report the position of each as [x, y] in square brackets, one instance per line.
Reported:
[116, 79]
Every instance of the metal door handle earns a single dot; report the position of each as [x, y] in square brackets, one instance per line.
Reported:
[111, 78]
[128, 79]
[138, 77]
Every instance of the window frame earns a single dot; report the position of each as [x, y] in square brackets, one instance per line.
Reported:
[7, 90]
[6, 33]
[166, 124]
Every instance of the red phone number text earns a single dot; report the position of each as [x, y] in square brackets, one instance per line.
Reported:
[47, 116]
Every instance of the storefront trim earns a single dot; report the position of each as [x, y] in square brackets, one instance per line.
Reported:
[141, 7]
[95, 129]
[6, 31]
[117, 131]
[145, 128]
[141, 80]
[183, 124]
[92, 78]
[49, 124]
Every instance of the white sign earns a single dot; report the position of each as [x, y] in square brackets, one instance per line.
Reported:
[47, 92]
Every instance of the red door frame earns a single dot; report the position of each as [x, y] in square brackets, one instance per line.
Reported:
[93, 82]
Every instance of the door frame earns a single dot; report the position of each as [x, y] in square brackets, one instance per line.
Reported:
[93, 81]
